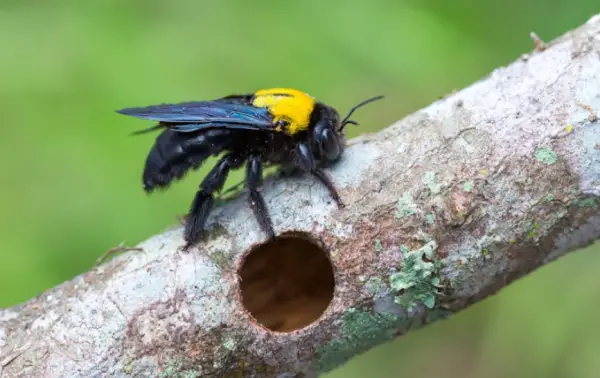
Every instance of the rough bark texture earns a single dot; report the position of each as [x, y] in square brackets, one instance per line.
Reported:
[445, 207]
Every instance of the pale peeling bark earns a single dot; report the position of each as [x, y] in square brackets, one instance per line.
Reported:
[487, 184]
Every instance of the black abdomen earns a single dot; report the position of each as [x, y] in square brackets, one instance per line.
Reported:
[173, 154]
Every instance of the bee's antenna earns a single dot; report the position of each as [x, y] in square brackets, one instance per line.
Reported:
[346, 119]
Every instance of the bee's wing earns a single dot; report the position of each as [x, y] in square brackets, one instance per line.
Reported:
[192, 116]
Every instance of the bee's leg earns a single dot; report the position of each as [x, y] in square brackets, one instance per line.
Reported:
[254, 178]
[203, 201]
[306, 161]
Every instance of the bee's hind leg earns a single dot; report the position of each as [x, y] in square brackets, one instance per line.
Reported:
[254, 178]
[204, 200]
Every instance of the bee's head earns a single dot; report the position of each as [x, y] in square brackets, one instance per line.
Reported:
[328, 131]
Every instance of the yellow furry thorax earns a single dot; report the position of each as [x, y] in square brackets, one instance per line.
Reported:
[292, 106]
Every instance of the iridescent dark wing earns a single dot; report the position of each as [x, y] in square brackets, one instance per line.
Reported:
[193, 116]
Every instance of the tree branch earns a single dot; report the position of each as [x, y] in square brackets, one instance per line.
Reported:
[444, 208]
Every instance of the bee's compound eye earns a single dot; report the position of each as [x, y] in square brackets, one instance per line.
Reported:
[330, 144]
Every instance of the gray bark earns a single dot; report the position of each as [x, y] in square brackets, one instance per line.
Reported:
[487, 185]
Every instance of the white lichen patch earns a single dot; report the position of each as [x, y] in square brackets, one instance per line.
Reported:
[470, 266]
[187, 285]
[45, 320]
[6, 315]
[186, 270]
[584, 144]
[355, 164]
[498, 105]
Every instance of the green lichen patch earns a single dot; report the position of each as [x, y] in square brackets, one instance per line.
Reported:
[550, 197]
[587, 202]
[230, 343]
[216, 231]
[220, 258]
[376, 285]
[545, 155]
[418, 280]
[405, 206]
[361, 330]
[469, 186]
[430, 218]
[174, 369]
[378, 246]
[533, 231]
[430, 180]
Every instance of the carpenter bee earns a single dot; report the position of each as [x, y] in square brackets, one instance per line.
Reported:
[278, 126]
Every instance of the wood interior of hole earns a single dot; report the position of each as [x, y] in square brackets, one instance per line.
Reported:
[286, 284]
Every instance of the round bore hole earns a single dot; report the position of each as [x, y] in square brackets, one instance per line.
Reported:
[286, 284]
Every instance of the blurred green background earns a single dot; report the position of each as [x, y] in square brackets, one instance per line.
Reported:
[71, 184]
